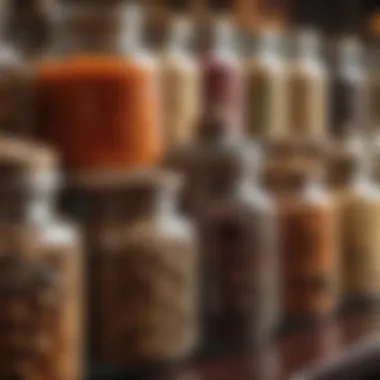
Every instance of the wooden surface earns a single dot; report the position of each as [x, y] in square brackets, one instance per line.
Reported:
[290, 353]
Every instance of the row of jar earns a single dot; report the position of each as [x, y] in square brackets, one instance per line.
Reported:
[104, 102]
[224, 266]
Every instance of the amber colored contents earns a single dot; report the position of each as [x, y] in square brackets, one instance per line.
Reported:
[101, 112]
[309, 249]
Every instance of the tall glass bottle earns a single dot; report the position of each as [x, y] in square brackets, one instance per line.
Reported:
[308, 248]
[222, 73]
[181, 84]
[238, 228]
[40, 271]
[307, 91]
[142, 266]
[358, 201]
[265, 88]
[97, 93]
[348, 91]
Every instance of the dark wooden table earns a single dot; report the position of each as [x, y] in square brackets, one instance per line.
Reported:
[289, 353]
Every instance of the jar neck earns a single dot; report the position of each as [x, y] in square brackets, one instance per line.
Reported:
[222, 36]
[95, 28]
[267, 45]
[29, 200]
[180, 34]
[307, 46]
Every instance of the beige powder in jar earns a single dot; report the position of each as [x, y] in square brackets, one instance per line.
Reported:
[142, 265]
[180, 85]
[359, 212]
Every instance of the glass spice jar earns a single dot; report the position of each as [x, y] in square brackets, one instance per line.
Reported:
[348, 91]
[180, 85]
[222, 72]
[265, 88]
[40, 271]
[142, 266]
[215, 139]
[307, 90]
[358, 203]
[238, 229]
[308, 248]
[97, 91]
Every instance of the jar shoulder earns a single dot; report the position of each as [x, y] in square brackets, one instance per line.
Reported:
[59, 233]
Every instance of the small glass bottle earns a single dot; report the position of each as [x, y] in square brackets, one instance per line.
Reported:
[307, 94]
[348, 91]
[238, 242]
[308, 248]
[97, 92]
[265, 88]
[40, 271]
[142, 266]
[222, 73]
[181, 85]
[358, 202]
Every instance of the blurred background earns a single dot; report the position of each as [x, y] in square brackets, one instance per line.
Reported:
[190, 189]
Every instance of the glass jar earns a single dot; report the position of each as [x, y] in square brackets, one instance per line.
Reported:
[265, 88]
[308, 248]
[28, 25]
[40, 271]
[307, 92]
[97, 93]
[238, 229]
[358, 201]
[348, 91]
[181, 85]
[197, 161]
[222, 72]
[142, 266]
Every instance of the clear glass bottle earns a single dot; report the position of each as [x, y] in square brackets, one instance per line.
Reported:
[180, 84]
[358, 201]
[308, 248]
[348, 91]
[142, 265]
[40, 271]
[307, 93]
[265, 88]
[97, 92]
[238, 229]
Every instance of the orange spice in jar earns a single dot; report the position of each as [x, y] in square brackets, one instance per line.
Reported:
[97, 100]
